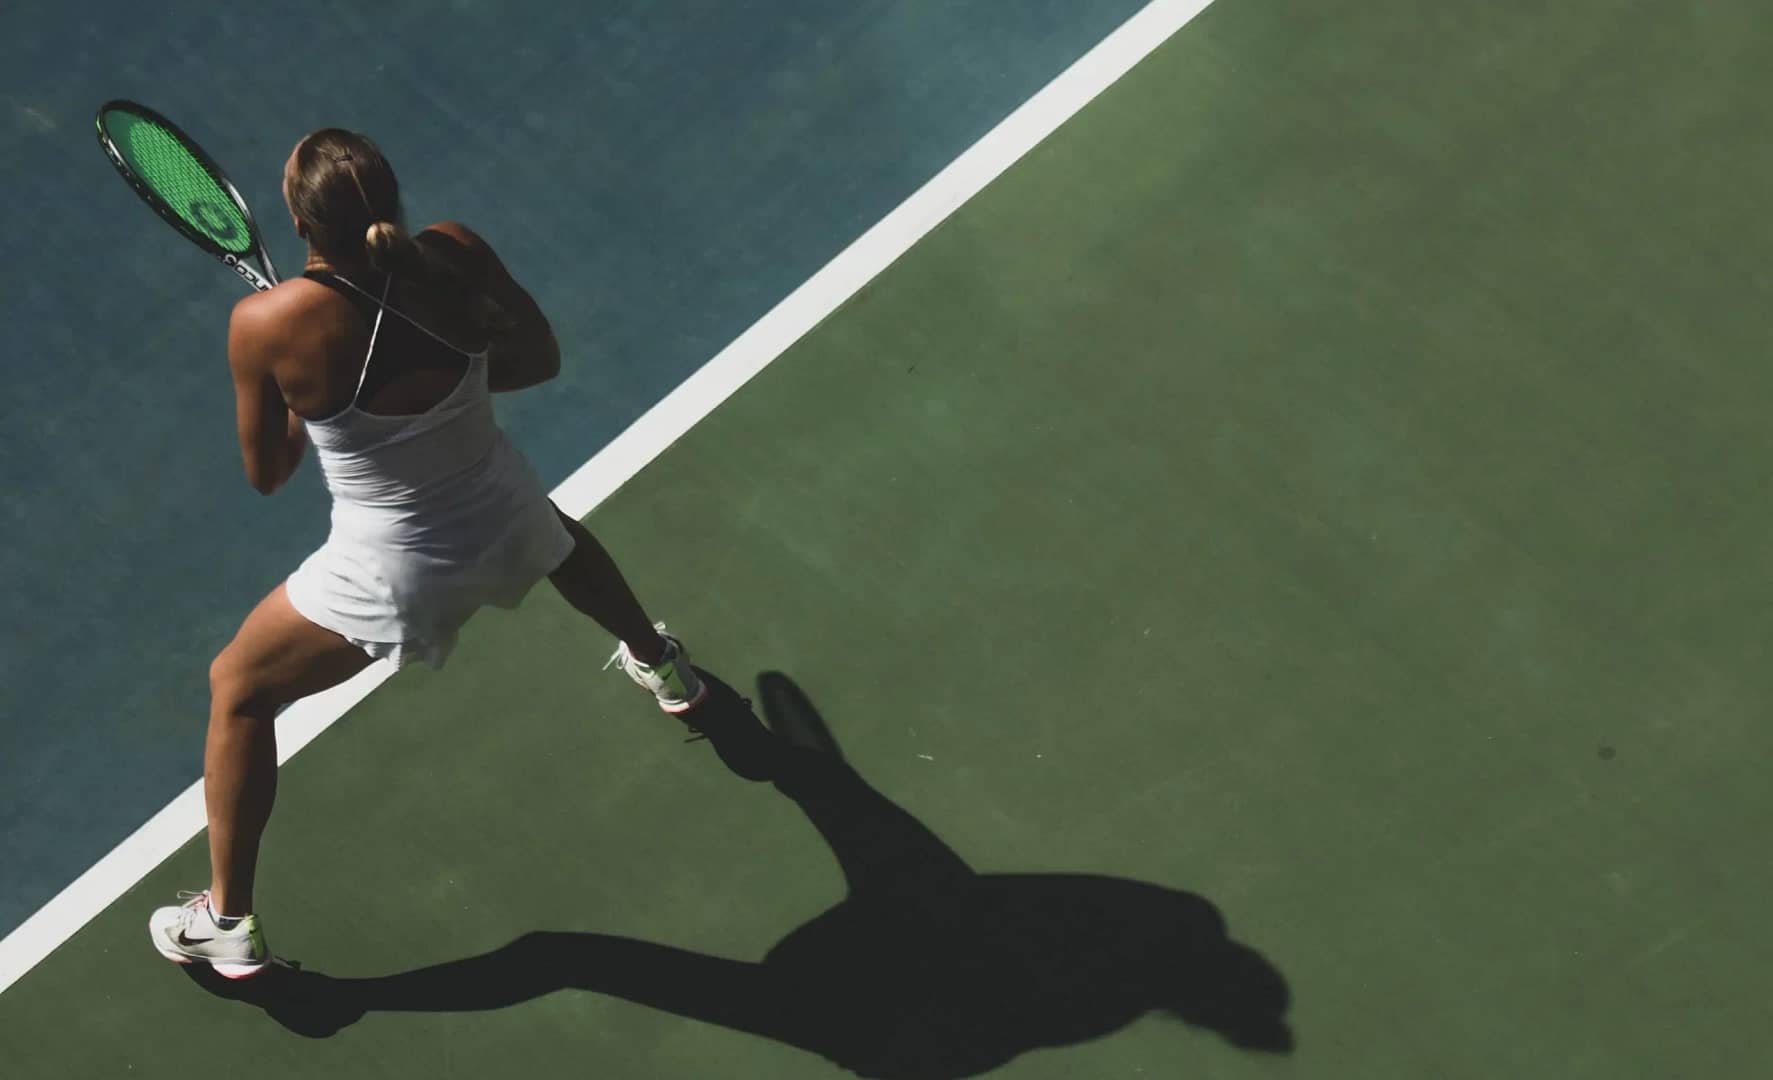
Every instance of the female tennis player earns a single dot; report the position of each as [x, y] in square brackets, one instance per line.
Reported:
[383, 354]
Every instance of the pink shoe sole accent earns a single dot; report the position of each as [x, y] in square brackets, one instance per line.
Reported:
[688, 705]
[236, 972]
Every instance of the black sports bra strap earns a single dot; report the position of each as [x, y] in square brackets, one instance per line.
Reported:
[383, 305]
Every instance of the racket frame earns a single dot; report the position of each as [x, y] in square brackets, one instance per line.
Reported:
[261, 282]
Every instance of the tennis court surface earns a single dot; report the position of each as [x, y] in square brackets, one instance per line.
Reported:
[1283, 564]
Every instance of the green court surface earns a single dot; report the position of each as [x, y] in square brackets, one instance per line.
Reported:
[1325, 481]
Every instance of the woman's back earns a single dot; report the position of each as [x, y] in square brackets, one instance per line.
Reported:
[420, 347]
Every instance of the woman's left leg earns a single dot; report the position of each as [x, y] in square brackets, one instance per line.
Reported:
[276, 658]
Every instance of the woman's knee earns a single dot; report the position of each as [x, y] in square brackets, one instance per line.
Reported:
[232, 690]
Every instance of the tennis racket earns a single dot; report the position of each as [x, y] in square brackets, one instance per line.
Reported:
[185, 187]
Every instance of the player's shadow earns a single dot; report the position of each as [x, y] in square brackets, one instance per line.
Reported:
[925, 969]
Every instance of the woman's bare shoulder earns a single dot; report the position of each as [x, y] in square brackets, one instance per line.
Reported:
[457, 236]
[456, 231]
[292, 300]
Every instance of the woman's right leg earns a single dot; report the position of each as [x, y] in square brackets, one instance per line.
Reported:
[590, 581]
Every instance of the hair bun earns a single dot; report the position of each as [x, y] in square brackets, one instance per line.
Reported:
[389, 249]
[381, 234]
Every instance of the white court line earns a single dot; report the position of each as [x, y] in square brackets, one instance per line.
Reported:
[648, 437]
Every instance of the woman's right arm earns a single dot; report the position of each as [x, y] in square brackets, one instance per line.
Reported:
[526, 353]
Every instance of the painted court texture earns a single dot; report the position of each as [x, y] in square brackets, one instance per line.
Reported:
[1316, 494]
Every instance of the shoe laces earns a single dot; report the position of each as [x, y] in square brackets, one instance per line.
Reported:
[194, 903]
[626, 659]
[622, 657]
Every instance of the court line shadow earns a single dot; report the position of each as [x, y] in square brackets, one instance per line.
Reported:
[926, 970]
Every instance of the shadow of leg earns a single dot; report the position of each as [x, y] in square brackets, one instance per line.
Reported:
[719, 991]
[880, 847]
[739, 739]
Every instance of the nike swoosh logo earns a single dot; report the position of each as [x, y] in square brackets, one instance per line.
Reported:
[183, 940]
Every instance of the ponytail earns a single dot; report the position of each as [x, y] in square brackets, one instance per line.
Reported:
[392, 251]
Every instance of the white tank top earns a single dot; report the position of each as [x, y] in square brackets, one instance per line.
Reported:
[413, 483]
[434, 515]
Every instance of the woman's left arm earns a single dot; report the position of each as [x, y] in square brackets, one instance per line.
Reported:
[272, 437]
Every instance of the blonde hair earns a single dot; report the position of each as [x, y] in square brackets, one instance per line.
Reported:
[343, 192]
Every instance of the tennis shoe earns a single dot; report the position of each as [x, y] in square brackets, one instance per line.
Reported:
[186, 933]
[672, 682]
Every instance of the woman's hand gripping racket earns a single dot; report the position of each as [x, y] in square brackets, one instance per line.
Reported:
[185, 187]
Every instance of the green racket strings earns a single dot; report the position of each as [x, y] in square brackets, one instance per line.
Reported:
[180, 180]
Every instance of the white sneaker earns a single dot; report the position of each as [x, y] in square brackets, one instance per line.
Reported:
[672, 682]
[187, 933]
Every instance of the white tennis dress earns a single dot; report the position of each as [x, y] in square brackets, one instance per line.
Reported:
[434, 515]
